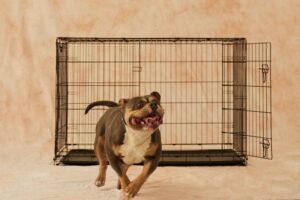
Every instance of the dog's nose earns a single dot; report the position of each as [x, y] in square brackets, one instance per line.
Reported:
[153, 106]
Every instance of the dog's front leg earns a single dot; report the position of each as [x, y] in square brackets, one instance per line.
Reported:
[149, 166]
[123, 178]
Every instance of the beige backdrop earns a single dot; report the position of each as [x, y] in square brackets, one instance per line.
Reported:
[28, 30]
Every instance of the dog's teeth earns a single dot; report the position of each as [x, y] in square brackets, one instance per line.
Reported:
[142, 122]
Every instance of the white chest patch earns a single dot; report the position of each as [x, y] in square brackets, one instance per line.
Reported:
[135, 146]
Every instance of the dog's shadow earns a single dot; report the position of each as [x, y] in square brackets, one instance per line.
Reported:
[162, 189]
[153, 190]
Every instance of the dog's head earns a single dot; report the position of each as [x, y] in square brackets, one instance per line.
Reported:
[143, 113]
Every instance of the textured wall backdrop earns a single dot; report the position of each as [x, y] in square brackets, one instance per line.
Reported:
[28, 30]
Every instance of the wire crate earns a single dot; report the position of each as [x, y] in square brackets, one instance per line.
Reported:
[216, 93]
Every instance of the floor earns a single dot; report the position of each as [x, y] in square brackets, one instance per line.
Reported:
[261, 179]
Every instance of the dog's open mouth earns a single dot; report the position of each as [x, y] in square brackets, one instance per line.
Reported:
[152, 120]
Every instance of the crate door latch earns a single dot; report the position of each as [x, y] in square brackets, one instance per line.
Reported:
[265, 144]
[264, 70]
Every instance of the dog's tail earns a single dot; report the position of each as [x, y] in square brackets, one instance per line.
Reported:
[100, 103]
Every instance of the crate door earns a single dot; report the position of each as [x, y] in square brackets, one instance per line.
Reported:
[259, 130]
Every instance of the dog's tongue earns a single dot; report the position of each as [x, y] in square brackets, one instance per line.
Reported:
[136, 121]
[150, 121]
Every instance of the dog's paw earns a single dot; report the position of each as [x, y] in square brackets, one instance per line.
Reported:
[100, 181]
[124, 196]
[133, 188]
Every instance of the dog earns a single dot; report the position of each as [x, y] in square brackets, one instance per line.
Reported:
[126, 134]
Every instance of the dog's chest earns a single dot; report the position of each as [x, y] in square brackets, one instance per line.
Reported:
[135, 146]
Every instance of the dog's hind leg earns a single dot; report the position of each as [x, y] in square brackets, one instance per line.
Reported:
[101, 156]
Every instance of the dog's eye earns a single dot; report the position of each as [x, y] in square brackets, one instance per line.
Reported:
[155, 101]
[140, 105]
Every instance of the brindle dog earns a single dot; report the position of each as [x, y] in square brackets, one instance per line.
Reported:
[127, 133]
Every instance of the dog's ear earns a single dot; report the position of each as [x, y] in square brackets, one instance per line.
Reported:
[122, 102]
[156, 95]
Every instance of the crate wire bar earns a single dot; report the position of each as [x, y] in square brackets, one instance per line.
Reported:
[216, 93]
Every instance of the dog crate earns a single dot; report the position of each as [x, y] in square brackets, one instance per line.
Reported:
[216, 93]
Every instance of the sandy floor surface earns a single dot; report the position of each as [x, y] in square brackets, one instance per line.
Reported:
[261, 179]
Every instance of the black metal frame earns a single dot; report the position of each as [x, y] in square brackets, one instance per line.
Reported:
[216, 93]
